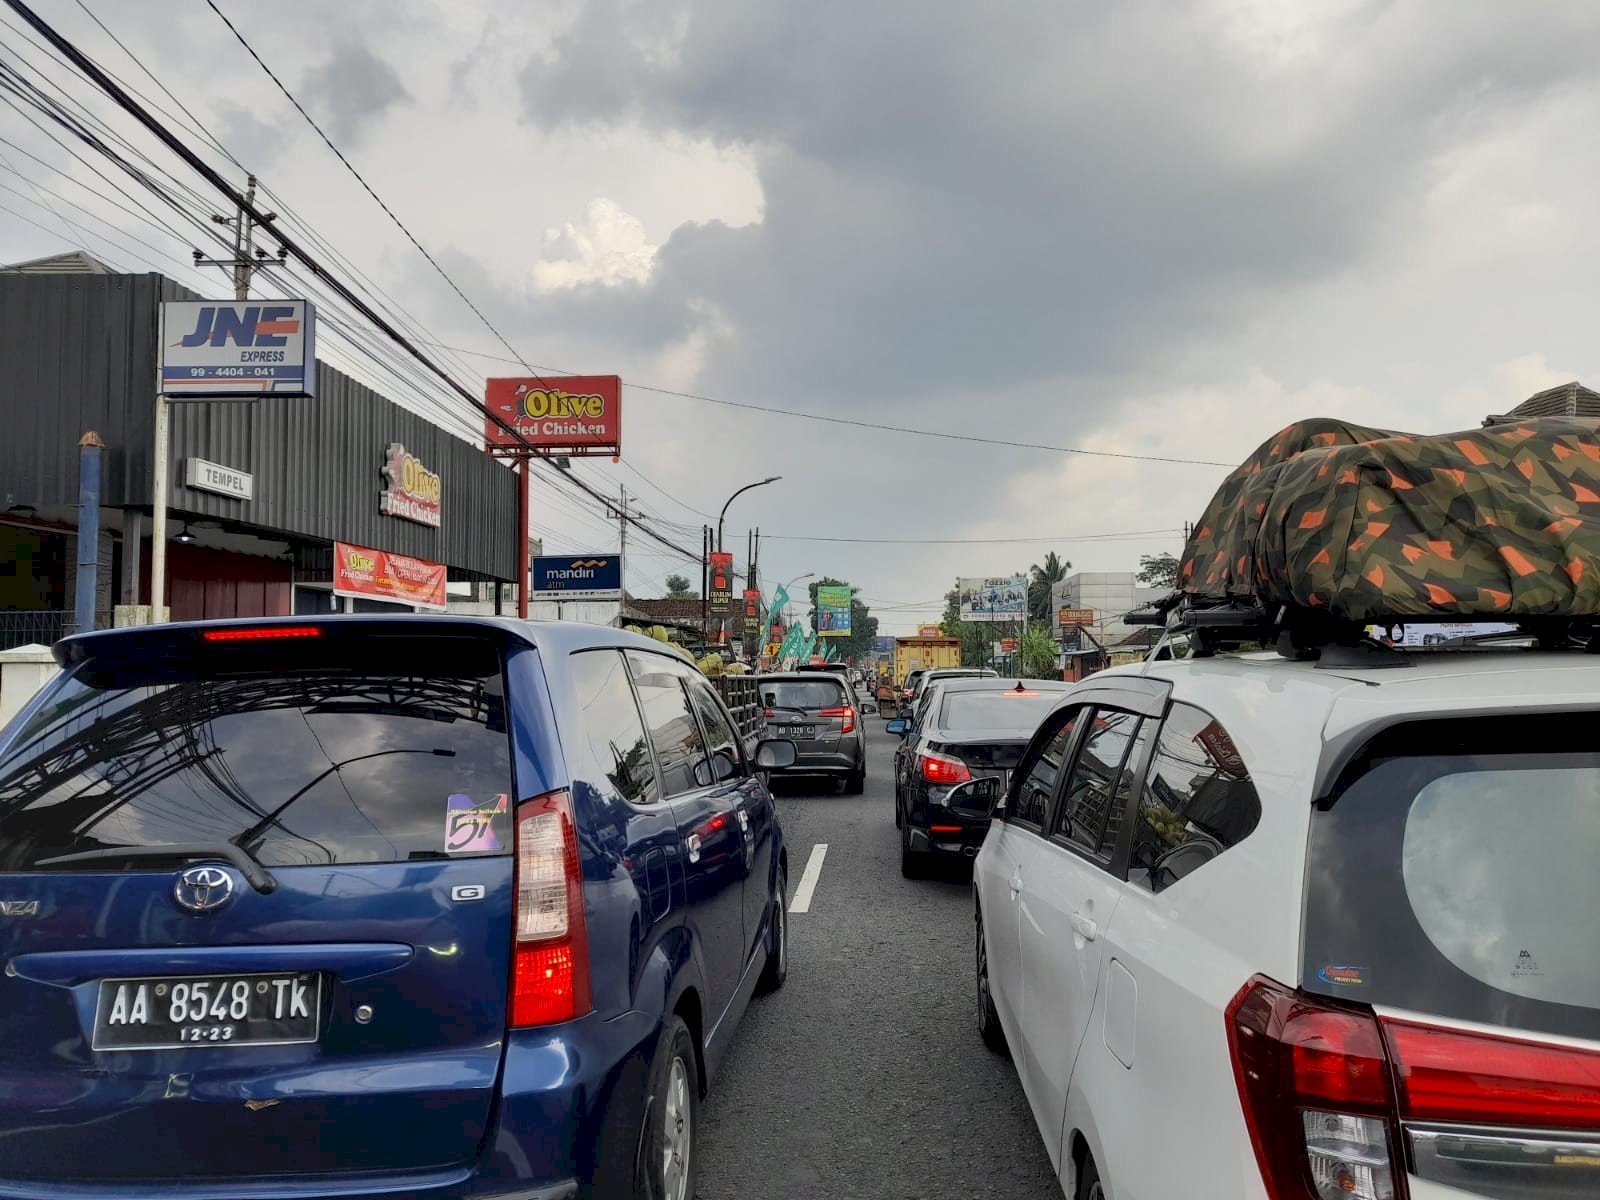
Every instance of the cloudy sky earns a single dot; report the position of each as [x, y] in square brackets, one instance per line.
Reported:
[1131, 226]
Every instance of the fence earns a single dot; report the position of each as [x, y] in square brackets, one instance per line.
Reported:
[41, 626]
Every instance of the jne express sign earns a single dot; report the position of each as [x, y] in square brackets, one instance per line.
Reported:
[568, 412]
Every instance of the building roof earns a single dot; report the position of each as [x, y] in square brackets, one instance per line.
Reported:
[669, 611]
[1568, 400]
[74, 262]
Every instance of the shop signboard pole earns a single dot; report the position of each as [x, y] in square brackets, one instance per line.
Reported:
[161, 470]
[524, 502]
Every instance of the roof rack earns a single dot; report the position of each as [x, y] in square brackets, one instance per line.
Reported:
[1308, 634]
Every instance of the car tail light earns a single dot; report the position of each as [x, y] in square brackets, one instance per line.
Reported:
[1313, 1079]
[550, 949]
[944, 829]
[941, 768]
[261, 633]
[849, 715]
[1478, 1078]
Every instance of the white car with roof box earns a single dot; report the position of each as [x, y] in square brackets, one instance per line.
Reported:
[1260, 929]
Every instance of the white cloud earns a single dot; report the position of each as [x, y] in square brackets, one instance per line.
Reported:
[608, 247]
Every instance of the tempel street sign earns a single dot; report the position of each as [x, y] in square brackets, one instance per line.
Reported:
[214, 477]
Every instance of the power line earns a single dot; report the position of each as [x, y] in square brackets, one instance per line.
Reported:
[1080, 537]
[831, 420]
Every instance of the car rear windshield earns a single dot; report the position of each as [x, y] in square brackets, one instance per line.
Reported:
[1454, 875]
[801, 693]
[1008, 709]
[352, 750]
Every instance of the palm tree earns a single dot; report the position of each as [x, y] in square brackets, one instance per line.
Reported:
[1042, 578]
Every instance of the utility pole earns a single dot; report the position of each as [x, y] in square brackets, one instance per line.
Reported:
[622, 552]
[246, 258]
[243, 264]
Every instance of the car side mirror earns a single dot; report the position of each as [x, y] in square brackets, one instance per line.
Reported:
[899, 726]
[774, 754]
[869, 709]
[976, 798]
[719, 767]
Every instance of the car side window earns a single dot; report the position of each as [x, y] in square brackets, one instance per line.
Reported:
[674, 733]
[612, 725]
[722, 743]
[1127, 783]
[1037, 776]
[1086, 805]
[1197, 800]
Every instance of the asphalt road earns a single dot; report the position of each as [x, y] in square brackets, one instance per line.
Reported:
[865, 1076]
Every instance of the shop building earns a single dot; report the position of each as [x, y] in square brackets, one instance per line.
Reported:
[262, 491]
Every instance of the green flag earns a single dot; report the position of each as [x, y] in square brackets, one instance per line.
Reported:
[779, 599]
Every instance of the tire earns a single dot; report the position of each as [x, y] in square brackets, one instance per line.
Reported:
[777, 968]
[988, 1017]
[1089, 1185]
[856, 782]
[898, 819]
[671, 1118]
[910, 860]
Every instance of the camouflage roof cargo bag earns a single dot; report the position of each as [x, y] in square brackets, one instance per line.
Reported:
[1369, 525]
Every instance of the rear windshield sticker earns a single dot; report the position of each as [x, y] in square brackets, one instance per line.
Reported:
[1345, 975]
[469, 824]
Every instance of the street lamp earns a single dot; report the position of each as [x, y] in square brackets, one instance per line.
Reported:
[735, 496]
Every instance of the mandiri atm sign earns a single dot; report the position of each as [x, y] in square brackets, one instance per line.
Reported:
[569, 414]
[228, 348]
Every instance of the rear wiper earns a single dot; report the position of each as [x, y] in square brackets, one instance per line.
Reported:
[248, 865]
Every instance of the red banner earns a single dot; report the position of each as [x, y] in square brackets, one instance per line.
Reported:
[721, 581]
[567, 413]
[379, 575]
[752, 604]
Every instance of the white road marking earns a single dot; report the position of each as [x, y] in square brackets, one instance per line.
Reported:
[808, 881]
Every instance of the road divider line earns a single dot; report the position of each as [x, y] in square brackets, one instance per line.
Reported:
[808, 881]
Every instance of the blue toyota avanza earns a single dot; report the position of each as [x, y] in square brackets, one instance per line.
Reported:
[375, 906]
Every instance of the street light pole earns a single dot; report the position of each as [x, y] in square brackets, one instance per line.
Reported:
[735, 496]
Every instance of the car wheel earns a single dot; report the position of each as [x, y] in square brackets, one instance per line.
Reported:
[667, 1162]
[856, 783]
[1089, 1185]
[910, 860]
[988, 1018]
[777, 968]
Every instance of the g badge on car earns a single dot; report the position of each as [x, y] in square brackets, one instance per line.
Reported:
[203, 889]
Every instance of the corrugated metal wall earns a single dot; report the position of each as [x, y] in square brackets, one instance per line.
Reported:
[77, 353]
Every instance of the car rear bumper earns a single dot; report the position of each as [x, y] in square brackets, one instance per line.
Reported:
[824, 763]
[569, 1096]
[964, 844]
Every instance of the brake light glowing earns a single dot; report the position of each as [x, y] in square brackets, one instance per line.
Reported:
[261, 633]
[941, 768]
[1018, 692]
[1479, 1078]
[550, 949]
[849, 715]
[944, 829]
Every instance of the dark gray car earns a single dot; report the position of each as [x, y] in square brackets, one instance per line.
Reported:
[816, 711]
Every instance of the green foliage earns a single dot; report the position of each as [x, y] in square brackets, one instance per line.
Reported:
[679, 588]
[1041, 579]
[1158, 570]
[1036, 656]
[975, 636]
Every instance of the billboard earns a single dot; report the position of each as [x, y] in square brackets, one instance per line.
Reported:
[721, 593]
[752, 604]
[998, 598]
[228, 348]
[572, 414]
[1074, 616]
[379, 575]
[833, 610]
[577, 577]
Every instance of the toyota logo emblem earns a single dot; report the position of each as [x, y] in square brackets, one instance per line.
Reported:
[203, 889]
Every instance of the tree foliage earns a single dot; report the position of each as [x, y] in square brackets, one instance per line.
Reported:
[1158, 570]
[679, 588]
[1036, 656]
[1042, 578]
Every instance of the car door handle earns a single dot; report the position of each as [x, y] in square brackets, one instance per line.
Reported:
[1084, 927]
[1015, 883]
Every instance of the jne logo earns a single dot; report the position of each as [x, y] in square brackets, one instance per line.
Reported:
[247, 325]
